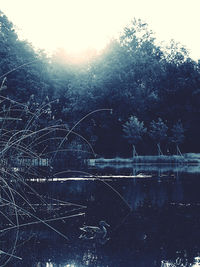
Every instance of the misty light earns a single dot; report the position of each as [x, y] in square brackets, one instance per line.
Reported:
[80, 26]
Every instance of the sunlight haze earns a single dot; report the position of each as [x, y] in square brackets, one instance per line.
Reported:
[84, 25]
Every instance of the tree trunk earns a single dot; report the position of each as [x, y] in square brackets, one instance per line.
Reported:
[178, 151]
[159, 150]
[134, 151]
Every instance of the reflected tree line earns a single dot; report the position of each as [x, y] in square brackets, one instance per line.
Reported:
[151, 90]
[163, 224]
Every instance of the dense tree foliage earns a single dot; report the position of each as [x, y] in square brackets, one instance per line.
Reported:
[158, 133]
[134, 131]
[177, 135]
[133, 76]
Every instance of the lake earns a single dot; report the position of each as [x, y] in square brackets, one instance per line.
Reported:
[153, 213]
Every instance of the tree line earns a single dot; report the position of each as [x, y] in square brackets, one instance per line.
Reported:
[147, 95]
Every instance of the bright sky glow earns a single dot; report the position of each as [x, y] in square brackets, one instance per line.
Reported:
[81, 25]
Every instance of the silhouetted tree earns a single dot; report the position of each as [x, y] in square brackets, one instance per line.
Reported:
[133, 131]
[177, 135]
[158, 132]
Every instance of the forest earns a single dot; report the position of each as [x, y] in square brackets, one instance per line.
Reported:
[135, 93]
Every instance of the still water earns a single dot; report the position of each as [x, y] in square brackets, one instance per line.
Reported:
[153, 218]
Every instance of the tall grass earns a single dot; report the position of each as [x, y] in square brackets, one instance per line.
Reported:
[29, 136]
[24, 141]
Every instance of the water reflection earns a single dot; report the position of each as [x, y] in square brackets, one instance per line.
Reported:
[181, 262]
[91, 260]
[154, 221]
[157, 169]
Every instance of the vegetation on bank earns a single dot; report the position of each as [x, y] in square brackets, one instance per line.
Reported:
[149, 95]
[189, 158]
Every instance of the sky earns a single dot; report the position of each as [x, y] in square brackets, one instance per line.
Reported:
[82, 25]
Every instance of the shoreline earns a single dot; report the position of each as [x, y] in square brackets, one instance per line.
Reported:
[189, 158]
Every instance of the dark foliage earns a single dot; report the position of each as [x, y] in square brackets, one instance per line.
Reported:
[133, 76]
